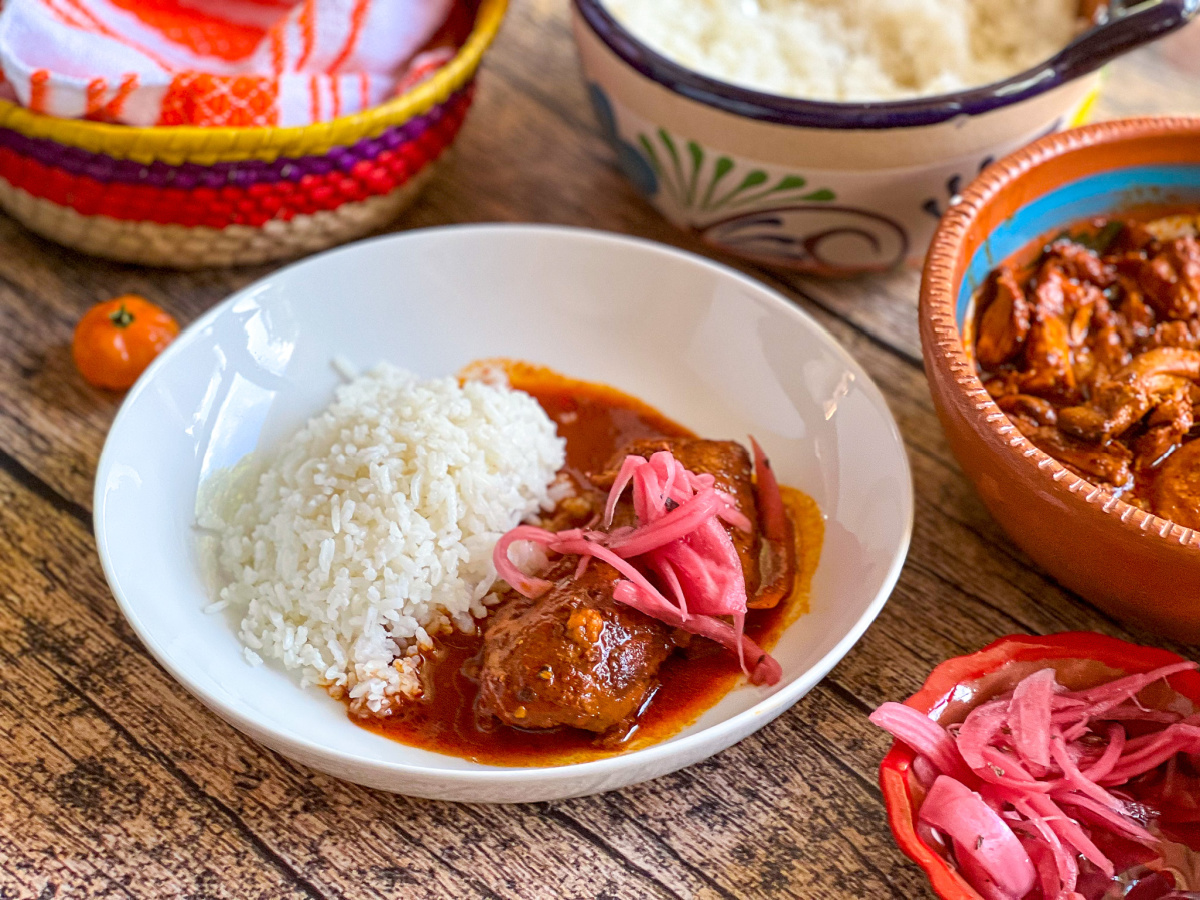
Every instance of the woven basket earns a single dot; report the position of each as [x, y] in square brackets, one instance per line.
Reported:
[189, 197]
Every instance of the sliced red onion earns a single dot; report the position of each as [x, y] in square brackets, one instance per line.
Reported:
[1064, 860]
[1113, 820]
[1173, 739]
[765, 669]
[1029, 717]
[624, 476]
[672, 526]
[525, 585]
[925, 736]
[1042, 855]
[1075, 778]
[1106, 696]
[980, 835]
[1006, 771]
[1025, 747]
[770, 501]
[730, 514]
[979, 729]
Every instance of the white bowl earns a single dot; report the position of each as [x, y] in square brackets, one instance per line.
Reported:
[707, 346]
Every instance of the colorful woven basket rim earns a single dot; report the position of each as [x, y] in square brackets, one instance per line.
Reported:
[250, 192]
[206, 146]
[111, 170]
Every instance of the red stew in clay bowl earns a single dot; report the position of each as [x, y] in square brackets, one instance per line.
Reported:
[1112, 809]
[1060, 326]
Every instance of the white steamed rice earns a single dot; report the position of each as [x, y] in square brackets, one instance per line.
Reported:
[373, 527]
[853, 50]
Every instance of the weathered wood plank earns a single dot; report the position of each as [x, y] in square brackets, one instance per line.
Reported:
[121, 785]
[90, 793]
[792, 811]
[344, 840]
[39, 860]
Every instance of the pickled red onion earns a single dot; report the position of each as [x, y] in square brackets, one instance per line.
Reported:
[679, 537]
[1026, 763]
[977, 831]
[1029, 718]
[926, 737]
[765, 670]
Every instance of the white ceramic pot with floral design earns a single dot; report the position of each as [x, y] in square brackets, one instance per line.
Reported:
[828, 188]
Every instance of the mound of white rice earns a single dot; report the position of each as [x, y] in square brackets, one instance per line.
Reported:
[373, 527]
[853, 50]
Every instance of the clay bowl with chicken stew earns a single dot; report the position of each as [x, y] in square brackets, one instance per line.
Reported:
[1060, 325]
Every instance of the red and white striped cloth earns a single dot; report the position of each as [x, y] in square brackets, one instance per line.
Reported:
[214, 62]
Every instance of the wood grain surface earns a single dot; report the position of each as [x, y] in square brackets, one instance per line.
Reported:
[115, 783]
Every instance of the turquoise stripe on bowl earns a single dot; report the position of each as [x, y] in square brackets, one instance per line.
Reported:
[1093, 195]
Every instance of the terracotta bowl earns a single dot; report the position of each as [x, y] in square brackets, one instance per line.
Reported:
[829, 188]
[1143, 569]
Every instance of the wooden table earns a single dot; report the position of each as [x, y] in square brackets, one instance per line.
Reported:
[114, 782]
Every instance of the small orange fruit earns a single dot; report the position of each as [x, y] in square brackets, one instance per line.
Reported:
[116, 340]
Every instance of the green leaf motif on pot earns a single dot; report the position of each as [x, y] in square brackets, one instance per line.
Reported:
[700, 182]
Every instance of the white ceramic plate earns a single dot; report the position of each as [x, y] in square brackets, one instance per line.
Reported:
[710, 348]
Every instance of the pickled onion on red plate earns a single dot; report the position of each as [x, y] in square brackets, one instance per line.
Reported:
[1013, 782]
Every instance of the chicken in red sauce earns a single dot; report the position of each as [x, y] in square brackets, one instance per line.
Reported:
[1093, 352]
[575, 656]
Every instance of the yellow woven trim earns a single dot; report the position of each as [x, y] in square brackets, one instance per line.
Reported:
[206, 146]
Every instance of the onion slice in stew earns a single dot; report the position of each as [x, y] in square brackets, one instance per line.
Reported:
[1039, 761]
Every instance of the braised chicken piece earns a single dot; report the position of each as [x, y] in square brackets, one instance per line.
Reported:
[1171, 279]
[1177, 488]
[1028, 413]
[1093, 352]
[1048, 371]
[1082, 266]
[1121, 401]
[1005, 322]
[1178, 334]
[1166, 427]
[1108, 465]
[574, 656]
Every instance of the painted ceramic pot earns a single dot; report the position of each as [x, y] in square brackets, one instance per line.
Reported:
[1137, 566]
[829, 188]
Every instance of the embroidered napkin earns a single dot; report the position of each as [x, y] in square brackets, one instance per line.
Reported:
[214, 62]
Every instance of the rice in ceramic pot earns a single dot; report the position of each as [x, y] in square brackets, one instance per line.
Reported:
[372, 528]
[853, 50]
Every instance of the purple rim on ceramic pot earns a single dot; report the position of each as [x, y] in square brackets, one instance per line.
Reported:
[1129, 25]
